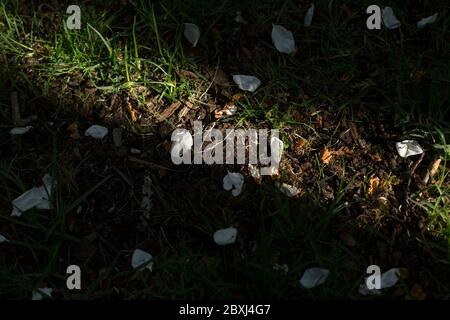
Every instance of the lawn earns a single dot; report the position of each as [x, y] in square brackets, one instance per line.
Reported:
[341, 102]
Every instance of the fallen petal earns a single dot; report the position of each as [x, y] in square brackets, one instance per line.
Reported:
[20, 130]
[3, 238]
[407, 148]
[428, 20]
[233, 181]
[309, 16]
[289, 190]
[313, 277]
[389, 19]
[239, 18]
[247, 83]
[283, 39]
[390, 278]
[40, 293]
[192, 33]
[141, 259]
[224, 237]
[34, 198]
[97, 132]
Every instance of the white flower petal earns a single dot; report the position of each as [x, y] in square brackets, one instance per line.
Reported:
[407, 148]
[313, 277]
[183, 138]
[283, 39]
[35, 197]
[389, 19]
[41, 292]
[309, 16]
[233, 181]
[254, 171]
[425, 21]
[281, 267]
[247, 83]
[140, 259]
[239, 18]
[3, 238]
[97, 132]
[390, 278]
[224, 237]
[288, 190]
[192, 33]
[20, 130]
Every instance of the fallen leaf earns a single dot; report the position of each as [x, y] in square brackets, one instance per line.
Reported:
[168, 111]
[142, 259]
[283, 39]
[132, 111]
[374, 183]
[314, 277]
[73, 130]
[225, 237]
[229, 110]
[326, 155]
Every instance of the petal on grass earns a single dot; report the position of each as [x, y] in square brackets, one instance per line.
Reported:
[407, 148]
[309, 16]
[19, 130]
[3, 238]
[97, 132]
[34, 198]
[426, 21]
[246, 83]
[142, 259]
[40, 293]
[389, 19]
[192, 33]
[283, 39]
[314, 277]
[225, 237]
[233, 181]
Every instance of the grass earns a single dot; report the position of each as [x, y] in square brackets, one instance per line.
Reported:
[132, 59]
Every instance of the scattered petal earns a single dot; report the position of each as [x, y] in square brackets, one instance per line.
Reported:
[233, 181]
[3, 238]
[142, 259]
[254, 172]
[282, 268]
[224, 237]
[247, 83]
[182, 138]
[20, 130]
[40, 293]
[135, 151]
[97, 132]
[239, 18]
[309, 16]
[407, 148]
[314, 277]
[192, 33]
[389, 19]
[35, 197]
[390, 278]
[283, 39]
[425, 21]
[289, 190]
